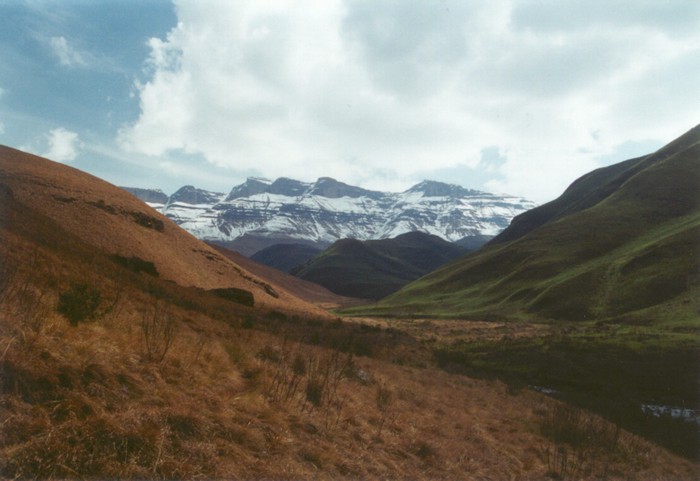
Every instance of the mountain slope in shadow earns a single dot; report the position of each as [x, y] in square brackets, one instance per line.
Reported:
[286, 257]
[374, 269]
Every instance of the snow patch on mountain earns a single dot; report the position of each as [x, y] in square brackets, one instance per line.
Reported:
[327, 210]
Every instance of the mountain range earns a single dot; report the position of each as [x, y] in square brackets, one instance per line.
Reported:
[260, 213]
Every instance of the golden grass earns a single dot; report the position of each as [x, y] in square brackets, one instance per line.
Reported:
[87, 402]
[114, 222]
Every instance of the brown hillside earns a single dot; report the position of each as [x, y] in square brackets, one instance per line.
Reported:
[307, 291]
[117, 223]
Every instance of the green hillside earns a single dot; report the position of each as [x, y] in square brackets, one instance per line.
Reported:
[621, 243]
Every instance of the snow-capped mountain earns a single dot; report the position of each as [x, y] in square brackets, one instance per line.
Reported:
[259, 212]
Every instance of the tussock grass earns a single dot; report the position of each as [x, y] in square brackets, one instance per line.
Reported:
[88, 401]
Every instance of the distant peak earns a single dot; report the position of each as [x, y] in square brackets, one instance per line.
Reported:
[434, 188]
[191, 195]
[148, 195]
[288, 187]
[252, 186]
[258, 180]
[333, 189]
[322, 180]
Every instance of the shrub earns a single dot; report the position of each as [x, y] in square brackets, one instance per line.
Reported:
[576, 435]
[315, 391]
[79, 303]
[158, 333]
[136, 264]
[565, 424]
[239, 296]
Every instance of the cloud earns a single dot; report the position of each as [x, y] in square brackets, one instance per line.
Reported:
[385, 93]
[63, 145]
[67, 54]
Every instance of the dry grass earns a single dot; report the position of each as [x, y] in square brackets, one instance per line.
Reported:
[458, 330]
[88, 401]
[116, 223]
[91, 401]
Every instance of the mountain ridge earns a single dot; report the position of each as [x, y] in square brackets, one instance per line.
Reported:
[590, 189]
[261, 212]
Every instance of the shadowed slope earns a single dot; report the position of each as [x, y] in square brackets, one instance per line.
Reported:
[374, 269]
[285, 257]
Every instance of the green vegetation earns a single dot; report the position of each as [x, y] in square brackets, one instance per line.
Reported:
[612, 369]
[612, 269]
[637, 249]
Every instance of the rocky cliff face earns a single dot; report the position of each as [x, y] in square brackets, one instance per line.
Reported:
[259, 213]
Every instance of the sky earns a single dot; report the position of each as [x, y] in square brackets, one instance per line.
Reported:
[508, 96]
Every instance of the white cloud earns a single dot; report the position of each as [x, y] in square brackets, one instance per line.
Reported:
[384, 93]
[67, 54]
[63, 145]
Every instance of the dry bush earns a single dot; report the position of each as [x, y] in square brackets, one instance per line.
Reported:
[567, 424]
[384, 400]
[25, 295]
[324, 374]
[576, 438]
[308, 378]
[158, 329]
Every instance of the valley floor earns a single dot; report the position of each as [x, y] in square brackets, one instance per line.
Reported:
[644, 378]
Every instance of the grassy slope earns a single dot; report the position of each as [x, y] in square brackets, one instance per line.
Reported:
[374, 269]
[114, 222]
[589, 190]
[634, 250]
